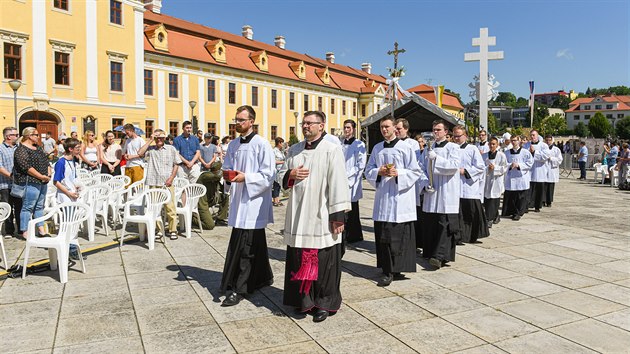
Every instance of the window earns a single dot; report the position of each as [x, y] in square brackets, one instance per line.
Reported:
[61, 4]
[117, 122]
[292, 101]
[12, 61]
[231, 93]
[148, 127]
[62, 68]
[576, 117]
[587, 107]
[378, 107]
[354, 109]
[254, 96]
[212, 128]
[172, 128]
[343, 108]
[332, 106]
[173, 90]
[255, 128]
[115, 12]
[116, 76]
[609, 106]
[332, 131]
[609, 116]
[274, 132]
[363, 110]
[620, 115]
[274, 98]
[587, 116]
[212, 91]
[320, 104]
[598, 106]
[292, 132]
[148, 83]
[305, 102]
[232, 131]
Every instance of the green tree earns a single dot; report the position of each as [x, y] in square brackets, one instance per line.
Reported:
[561, 102]
[293, 140]
[540, 112]
[623, 128]
[599, 126]
[493, 126]
[581, 130]
[507, 98]
[553, 125]
[521, 102]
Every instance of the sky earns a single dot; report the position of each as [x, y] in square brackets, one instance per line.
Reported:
[558, 44]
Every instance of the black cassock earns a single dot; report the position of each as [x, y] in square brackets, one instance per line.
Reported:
[247, 265]
[395, 246]
[353, 231]
[441, 234]
[473, 223]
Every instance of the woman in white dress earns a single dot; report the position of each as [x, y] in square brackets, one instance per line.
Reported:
[89, 151]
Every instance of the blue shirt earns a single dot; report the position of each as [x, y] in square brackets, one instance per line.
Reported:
[187, 147]
[6, 161]
[612, 155]
[584, 151]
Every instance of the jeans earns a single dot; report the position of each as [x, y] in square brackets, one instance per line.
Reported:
[582, 165]
[275, 191]
[32, 204]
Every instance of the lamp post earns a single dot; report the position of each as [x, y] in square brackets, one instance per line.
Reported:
[296, 114]
[15, 85]
[192, 105]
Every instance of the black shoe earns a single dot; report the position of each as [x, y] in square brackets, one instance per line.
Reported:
[537, 210]
[385, 280]
[516, 217]
[489, 225]
[497, 220]
[320, 315]
[435, 263]
[220, 222]
[399, 276]
[459, 243]
[232, 299]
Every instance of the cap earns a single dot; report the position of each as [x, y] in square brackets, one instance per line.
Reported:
[159, 135]
[62, 136]
[207, 136]
[507, 136]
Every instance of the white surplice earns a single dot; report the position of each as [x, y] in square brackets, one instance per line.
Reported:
[555, 159]
[356, 157]
[471, 161]
[540, 168]
[483, 147]
[333, 139]
[517, 179]
[395, 198]
[250, 201]
[495, 180]
[446, 181]
[422, 182]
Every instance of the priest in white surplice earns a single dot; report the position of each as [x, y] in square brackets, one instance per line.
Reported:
[473, 224]
[519, 162]
[553, 172]
[249, 167]
[441, 207]
[318, 201]
[355, 156]
[482, 144]
[496, 165]
[393, 170]
[539, 170]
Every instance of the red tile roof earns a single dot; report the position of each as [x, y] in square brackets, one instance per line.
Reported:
[623, 103]
[187, 39]
[427, 92]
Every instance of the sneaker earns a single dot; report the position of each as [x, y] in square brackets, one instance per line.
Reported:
[158, 234]
[173, 235]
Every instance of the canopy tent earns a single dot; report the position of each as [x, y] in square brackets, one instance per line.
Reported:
[418, 111]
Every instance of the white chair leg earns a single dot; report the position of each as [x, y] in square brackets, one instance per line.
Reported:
[188, 224]
[4, 254]
[62, 256]
[105, 224]
[91, 226]
[151, 234]
[122, 235]
[83, 270]
[199, 218]
[26, 252]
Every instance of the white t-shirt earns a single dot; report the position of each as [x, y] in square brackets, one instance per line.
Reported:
[132, 146]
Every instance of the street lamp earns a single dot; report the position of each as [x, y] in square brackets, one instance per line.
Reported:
[192, 105]
[15, 85]
[296, 114]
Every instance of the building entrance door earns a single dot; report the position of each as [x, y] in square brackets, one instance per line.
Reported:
[43, 121]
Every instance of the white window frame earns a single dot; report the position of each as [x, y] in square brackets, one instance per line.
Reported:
[17, 38]
[117, 57]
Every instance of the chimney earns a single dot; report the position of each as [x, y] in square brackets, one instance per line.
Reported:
[330, 57]
[248, 32]
[367, 67]
[279, 42]
[153, 5]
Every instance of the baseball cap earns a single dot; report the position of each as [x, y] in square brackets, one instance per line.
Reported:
[207, 136]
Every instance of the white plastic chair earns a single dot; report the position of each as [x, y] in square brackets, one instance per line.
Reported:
[96, 198]
[103, 178]
[96, 172]
[153, 201]
[614, 181]
[5, 211]
[83, 173]
[124, 178]
[71, 215]
[179, 183]
[115, 201]
[190, 197]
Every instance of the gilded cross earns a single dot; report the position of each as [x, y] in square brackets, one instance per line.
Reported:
[395, 53]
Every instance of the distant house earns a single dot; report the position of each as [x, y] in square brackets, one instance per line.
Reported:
[612, 107]
[450, 102]
[549, 98]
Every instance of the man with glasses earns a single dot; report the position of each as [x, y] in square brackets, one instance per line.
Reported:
[482, 145]
[314, 221]
[7, 150]
[189, 152]
[134, 167]
[519, 162]
[250, 169]
[441, 205]
[539, 171]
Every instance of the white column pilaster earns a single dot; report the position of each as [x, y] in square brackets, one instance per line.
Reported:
[283, 109]
[201, 103]
[244, 94]
[39, 49]
[223, 128]
[91, 37]
[185, 98]
[265, 113]
[138, 28]
[161, 97]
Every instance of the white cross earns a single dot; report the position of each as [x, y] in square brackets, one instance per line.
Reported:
[483, 42]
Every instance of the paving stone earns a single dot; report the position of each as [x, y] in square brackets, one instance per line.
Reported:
[610, 292]
[155, 279]
[172, 317]
[362, 290]
[582, 303]
[84, 329]
[310, 347]
[206, 339]
[96, 270]
[390, 311]
[442, 302]
[482, 349]
[595, 335]
[620, 319]
[539, 313]
[82, 287]
[376, 341]
[263, 333]
[97, 304]
[24, 337]
[530, 286]
[28, 312]
[540, 342]
[29, 292]
[488, 293]
[566, 279]
[413, 284]
[490, 324]
[118, 345]
[165, 295]
[255, 305]
[345, 321]
[489, 272]
[434, 335]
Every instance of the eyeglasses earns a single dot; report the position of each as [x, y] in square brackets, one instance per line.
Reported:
[240, 120]
[13, 134]
[457, 136]
[34, 134]
[308, 124]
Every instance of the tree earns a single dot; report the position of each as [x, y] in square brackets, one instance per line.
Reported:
[623, 128]
[581, 130]
[540, 112]
[507, 98]
[561, 102]
[553, 125]
[599, 126]
[521, 102]
[493, 127]
[293, 140]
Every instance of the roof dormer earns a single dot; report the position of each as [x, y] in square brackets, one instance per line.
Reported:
[299, 69]
[261, 60]
[369, 83]
[216, 48]
[323, 75]
[157, 36]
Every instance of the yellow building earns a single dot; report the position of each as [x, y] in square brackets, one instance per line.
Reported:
[95, 65]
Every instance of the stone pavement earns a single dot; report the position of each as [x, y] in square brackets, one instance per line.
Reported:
[556, 281]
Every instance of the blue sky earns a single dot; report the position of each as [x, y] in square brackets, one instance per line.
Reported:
[558, 44]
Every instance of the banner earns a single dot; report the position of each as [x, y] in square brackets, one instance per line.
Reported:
[439, 94]
[531, 93]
